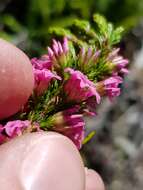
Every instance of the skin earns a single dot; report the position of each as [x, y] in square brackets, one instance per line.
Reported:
[45, 161]
[16, 77]
[93, 180]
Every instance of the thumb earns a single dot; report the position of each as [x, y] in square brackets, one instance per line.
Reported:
[41, 161]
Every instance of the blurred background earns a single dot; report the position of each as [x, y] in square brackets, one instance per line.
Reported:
[116, 151]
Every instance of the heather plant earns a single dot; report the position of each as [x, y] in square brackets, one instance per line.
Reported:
[81, 67]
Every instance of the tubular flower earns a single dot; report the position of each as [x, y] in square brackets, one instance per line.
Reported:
[58, 53]
[71, 124]
[42, 79]
[87, 58]
[15, 128]
[42, 73]
[79, 88]
[43, 63]
[118, 61]
[110, 87]
[91, 105]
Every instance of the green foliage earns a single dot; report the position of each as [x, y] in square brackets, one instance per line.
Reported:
[11, 23]
[82, 33]
[60, 32]
[107, 30]
[98, 35]
[37, 16]
[43, 9]
[116, 35]
[47, 11]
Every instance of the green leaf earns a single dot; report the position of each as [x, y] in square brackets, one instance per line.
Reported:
[101, 23]
[89, 137]
[60, 32]
[116, 35]
[81, 25]
[110, 29]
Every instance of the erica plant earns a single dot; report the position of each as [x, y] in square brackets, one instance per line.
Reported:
[80, 68]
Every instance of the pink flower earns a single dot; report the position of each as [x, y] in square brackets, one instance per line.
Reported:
[89, 55]
[15, 128]
[113, 54]
[65, 45]
[119, 62]
[43, 63]
[58, 48]
[58, 53]
[91, 105]
[42, 73]
[79, 88]
[71, 124]
[42, 79]
[111, 86]
[87, 58]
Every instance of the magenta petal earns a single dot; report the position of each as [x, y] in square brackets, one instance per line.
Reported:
[78, 87]
[13, 128]
[60, 48]
[65, 45]
[118, 61]
[50, 52]
[43, 78]
[124, 71]
[42, 63]
[89, 53]
[82, 53]
[111, 86]
[113, 54]
[73, 125]
[96, 54]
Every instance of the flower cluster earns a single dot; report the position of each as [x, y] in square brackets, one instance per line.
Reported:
[71, 124]
[79, 90]
[88, 57]
[58, 53]
[43, 74]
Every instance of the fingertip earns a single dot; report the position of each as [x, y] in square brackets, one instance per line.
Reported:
[41, 161]
[93, 180]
